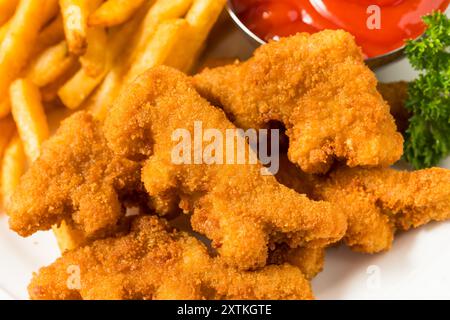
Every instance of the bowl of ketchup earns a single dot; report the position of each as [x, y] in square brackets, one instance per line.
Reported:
[380, 27]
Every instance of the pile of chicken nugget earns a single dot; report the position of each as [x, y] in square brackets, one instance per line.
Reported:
[114, 186]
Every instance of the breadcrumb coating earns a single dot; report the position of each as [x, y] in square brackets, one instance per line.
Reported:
[234, 205]
[154, 262]
[77, 179]
[319, 87]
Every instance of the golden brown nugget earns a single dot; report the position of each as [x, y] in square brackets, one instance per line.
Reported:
[310, 260]
[396, 94]
[319, 87]
[377, 202]
[234, 205]
[76, 179]
[154, 262]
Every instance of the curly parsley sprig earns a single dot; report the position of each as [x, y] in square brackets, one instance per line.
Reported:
[428, 136]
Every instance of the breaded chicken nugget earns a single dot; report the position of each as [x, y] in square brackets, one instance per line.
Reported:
[78, 179]
[154, 262]
[378, 201]
[234, 205]
[319, 87]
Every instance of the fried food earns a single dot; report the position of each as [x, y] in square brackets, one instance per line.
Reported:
[396, 94]
[12, 168]
[76, 179]
[15, 50]
[310, 260]
[63, 49]
[319, 87]
[29, 115]
[200, 18]
[234, 205]
[7, 129]
[7, 8]
[378, 202]
[154, 262]
[50, 65]
[114, 12]
[94, 60]
[50, 35]
[75, 15]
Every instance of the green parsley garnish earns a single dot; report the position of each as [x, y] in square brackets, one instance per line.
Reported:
[428, 136]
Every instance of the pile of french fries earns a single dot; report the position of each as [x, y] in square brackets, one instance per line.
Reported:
[79, 54]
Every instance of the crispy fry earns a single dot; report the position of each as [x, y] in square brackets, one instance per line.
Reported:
[7, 129]
[50, 91]
[162, 10]
[75, 14]
[7, 8]
[114, 12]
[158, 49]
[15, 49]
[28, 112]
[4, 30]
[80, 86]
[13, 167]
[201, 18]
[106, 93]
[68, 238]
[50, 65]
[51, 35]
[51, 9]
[94, 60]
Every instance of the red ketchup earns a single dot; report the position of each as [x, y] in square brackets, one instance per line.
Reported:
[379, 26]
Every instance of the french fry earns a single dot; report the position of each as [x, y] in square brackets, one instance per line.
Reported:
[51, 35]
[105, 95]
[12, 167]
[50, 10]
[4, 30]
[50, 65]
[68, 238]
[7, 128]
[201, 18]
[15, 48]
[81, 85]
[94, 60]
[114, 12]
[159, 48]
[162, 10]
[75, 14]
[75, 91]
[49, 92]
[29, 115]
[7, 8]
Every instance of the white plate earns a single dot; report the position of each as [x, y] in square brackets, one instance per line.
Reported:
[416, 267]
